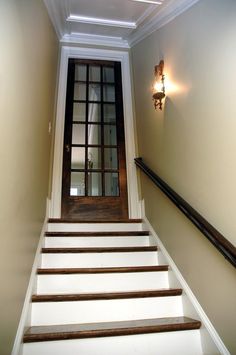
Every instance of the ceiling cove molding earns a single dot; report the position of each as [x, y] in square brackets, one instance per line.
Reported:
[95, 40]
[161, 18]
[145, 14]
[53, 13]
[101, 21]
[57, 18]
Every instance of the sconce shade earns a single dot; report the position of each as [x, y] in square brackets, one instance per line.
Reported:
[159, 95]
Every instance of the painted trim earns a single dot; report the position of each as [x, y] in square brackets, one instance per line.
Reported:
[100, 54]
[101, 21]
[158, 17]
[145, 14]
[202, 315]
[25, 319]
[53, 13]
[95, 40]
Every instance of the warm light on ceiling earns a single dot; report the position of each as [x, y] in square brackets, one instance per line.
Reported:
[149, 2]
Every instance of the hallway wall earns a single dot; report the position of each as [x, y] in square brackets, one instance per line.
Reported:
[191, 144]
[28, 68]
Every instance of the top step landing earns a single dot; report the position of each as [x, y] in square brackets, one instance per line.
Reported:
[67, 225]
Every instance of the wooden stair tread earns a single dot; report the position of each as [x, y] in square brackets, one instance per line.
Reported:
[67, 220]
[99, 250]
[101, 270]
[91, 330]
[107, 296]
[97, 234]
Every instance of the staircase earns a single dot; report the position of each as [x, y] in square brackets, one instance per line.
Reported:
[101, 290]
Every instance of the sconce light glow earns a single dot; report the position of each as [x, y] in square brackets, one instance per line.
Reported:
[159, 85]
[170, 86]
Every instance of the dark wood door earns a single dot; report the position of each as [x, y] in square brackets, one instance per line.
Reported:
[94, 183]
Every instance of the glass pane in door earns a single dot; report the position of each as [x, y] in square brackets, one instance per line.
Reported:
[94, 184]
[94, 92]
[80, 91]
[77, 158]
[79, 112]
[80, 72]
[94, 158]
[110, 135]
[78, 133]
[109, 111]
[111, 184]
[110, 158]
[94, 73]
[94, 113]
[109, 93]
[108, 75]
[77, 184]
[94, 134]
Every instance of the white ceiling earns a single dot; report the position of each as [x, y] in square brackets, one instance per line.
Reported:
[120, 23]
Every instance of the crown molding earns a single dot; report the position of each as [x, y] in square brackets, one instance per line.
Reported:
[56, 17]
[145, 15]
[162, 17]
[83, 38]
[101, 21]
[151, 20]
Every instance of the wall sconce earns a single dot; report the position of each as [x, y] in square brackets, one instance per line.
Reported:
[159, 86]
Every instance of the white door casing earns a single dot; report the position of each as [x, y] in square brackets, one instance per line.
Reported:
[99, 54]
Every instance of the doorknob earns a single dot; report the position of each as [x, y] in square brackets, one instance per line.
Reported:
[67, 148]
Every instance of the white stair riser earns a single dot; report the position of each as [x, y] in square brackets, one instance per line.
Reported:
[94, 227]
[46, 313]
[98, 260]
[170, 343]
[101, 282]
[96, 241]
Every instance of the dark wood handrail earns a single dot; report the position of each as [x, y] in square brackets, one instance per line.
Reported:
[213, 235]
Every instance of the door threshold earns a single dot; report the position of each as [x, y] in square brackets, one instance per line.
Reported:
[74, 220]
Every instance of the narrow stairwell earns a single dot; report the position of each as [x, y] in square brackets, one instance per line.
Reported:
[101, 290]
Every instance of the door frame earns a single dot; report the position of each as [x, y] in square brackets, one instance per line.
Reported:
[132, 183]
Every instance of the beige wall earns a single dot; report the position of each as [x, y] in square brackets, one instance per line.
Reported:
[192, 146]
[28, 64]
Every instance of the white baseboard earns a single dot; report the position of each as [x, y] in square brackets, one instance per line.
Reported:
[25, 314]
[221, 349]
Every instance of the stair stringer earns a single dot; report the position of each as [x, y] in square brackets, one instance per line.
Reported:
[25, 319]
[211, 341]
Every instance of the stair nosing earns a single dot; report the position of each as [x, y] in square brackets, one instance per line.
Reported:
[129, 328]
[98, 234]
[87, 250]
[65, 220]
[105, 270]
[107, 295]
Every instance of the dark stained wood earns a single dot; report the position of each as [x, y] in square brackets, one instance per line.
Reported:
[95, 208]
[107, 296]
[103, 207]
[90, 330]
[227, 249]
[98, 250]
[101, 270]
[66, 220]
[97, 234]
